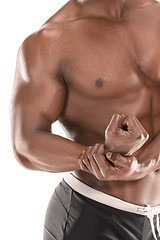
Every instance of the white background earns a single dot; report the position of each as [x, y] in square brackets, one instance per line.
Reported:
[24, 194]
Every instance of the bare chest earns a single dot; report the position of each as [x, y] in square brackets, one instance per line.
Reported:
[111, 68]
[108, 59]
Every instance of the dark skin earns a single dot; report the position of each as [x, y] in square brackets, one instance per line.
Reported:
[90, 60]
[124, 135]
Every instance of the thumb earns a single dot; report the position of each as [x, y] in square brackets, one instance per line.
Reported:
[115, 122]
[109, 155]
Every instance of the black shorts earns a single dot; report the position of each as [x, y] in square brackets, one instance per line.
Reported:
[72, 216]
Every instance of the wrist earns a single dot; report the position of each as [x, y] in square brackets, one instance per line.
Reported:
[147, 163]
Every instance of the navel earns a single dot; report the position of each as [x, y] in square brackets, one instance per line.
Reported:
[99, 83]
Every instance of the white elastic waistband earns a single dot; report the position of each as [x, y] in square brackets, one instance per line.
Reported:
[114, 202]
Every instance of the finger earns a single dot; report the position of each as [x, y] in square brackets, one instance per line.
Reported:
[107, 159]
[83, 166]
[131, 124]
[95, 170]
[80, 161]
[96, 154]
[119, 161]
[90, 155]
[81, 154]
[93, 150]
[115, 122]
[94, 166]
[142, 135]
[85, 159]
[122, 115]
[144, 132]
[100, 160]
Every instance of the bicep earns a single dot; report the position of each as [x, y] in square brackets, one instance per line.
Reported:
[37, 99]
[37, 106]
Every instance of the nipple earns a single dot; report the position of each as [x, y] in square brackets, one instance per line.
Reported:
[99, 83]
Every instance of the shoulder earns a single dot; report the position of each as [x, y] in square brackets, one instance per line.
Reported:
[42, 47]
[42, 39]
[55, 29]
[51, 31]
[45, 45]
[39, 55]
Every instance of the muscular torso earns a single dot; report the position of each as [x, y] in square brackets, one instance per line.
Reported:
[112, 66]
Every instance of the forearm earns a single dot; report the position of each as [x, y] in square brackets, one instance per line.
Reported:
[53, 153]
[150, 155]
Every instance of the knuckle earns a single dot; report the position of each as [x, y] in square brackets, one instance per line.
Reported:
[139, 135]
[130, 119]
[99, 150]
[116, 115]
[94, 155]
[106, 130]
[80, 157]
[146, 135]
[143, 137]
[96, 144]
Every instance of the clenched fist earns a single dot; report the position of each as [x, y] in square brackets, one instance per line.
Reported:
[124, 135]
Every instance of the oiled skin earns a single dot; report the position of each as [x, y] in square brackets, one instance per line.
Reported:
[89, 41]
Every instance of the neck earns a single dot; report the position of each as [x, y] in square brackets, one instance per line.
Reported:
[113, 9]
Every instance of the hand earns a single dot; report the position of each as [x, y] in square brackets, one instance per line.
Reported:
[92, 160]
[138, 167]
[124, 135]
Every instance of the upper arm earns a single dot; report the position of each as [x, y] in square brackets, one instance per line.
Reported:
[39, 92]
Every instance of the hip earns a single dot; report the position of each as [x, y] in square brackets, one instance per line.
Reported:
[147, 189]
[71, 215]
